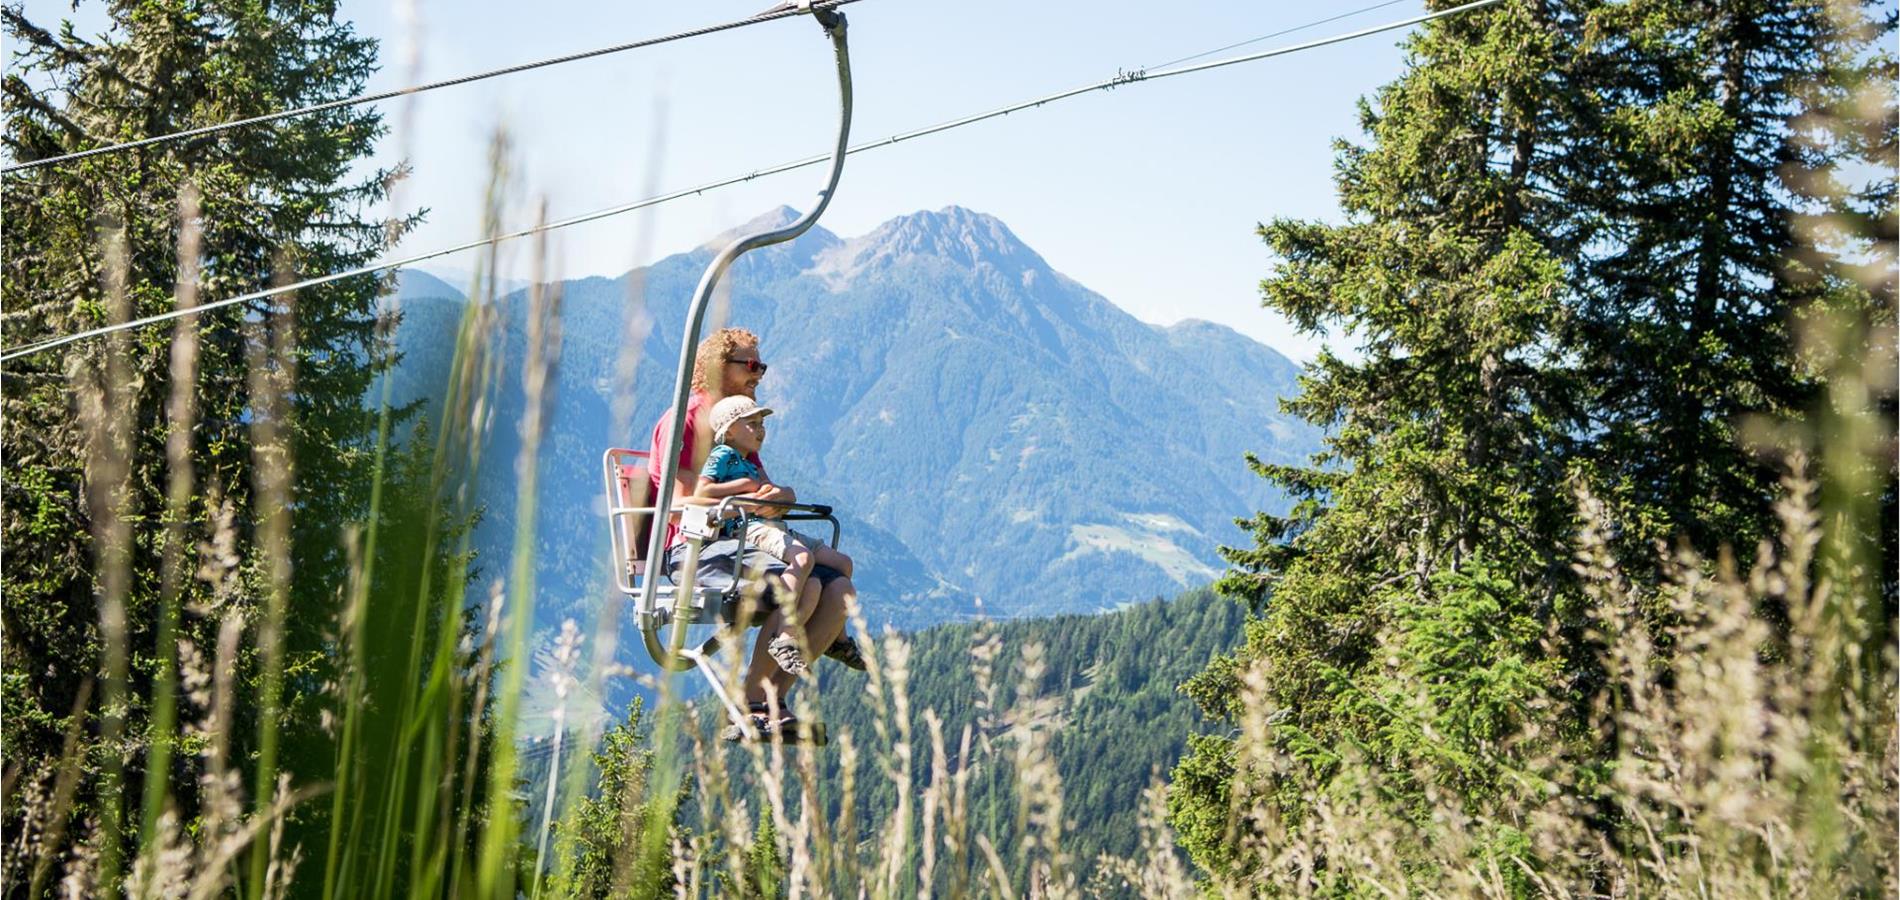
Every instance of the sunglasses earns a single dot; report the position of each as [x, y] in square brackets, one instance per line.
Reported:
[752, 366]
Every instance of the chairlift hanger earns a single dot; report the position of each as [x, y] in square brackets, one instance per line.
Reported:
[638, 532]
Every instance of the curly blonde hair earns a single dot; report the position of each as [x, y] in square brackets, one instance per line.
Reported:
[710, 361]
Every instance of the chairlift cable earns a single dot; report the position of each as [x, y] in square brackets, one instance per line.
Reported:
[1128, 77]
[781, 12]
[1281, 33]
[1120, 79]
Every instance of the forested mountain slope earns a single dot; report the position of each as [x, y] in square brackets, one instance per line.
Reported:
[1106, 700]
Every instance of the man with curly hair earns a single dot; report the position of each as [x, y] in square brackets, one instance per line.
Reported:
[727, 363]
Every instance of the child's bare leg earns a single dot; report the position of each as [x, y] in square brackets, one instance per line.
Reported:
[785, 593]
[798, 565]
[789, 647]
[786, 584]
[797, 599]
[793, 580]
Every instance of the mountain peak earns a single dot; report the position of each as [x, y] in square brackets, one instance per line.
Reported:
[962, 237]
[777, 217]
[952, 217]
[955, 233]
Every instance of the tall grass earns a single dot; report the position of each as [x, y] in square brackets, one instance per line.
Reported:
[180, 409]
[1746, 763]
[1749, 760]
[422, 785]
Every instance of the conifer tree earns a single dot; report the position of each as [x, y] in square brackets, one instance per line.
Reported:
[764, 863]
[1449, 270]
[1565, 260]
[1686, 325]
[597, 837]
[276, 201]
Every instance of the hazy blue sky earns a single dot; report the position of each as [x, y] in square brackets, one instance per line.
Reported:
[1148, 194]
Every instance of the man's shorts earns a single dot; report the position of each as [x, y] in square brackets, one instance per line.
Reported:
[719, 561]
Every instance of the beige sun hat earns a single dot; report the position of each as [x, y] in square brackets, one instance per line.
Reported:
[731, 410]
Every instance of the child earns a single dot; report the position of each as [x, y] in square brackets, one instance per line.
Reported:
[734, 468]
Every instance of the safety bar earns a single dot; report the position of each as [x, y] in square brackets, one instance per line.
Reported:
[737, 507]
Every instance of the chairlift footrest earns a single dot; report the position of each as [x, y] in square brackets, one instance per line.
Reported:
[813, 733]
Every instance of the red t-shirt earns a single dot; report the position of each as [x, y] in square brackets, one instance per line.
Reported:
[693, 452]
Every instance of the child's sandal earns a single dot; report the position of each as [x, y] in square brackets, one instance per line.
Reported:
[784, 651]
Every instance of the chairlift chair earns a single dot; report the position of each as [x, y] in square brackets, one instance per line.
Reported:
[631, 513]
[721, 602]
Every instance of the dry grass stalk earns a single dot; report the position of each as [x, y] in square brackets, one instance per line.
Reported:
[637, 325]
[481, 674]
[271, 361]
[685, 869]
[43, 829]
[897, 763]
[181, 409]
[106, 402]
[957, 819]
[934, 798]
[1032, 723]
[163, 868]
[213, 878]
[81, 881]
[1158, 871]
[561, 678]
[537, 378]
[845, 864]
[638, 322]
[282, 867]
[811, 851]
[714, 784]
[999, 874]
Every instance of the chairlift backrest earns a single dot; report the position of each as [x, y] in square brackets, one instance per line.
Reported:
[629, 513]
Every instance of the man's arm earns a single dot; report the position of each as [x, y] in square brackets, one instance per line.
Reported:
[780, 492]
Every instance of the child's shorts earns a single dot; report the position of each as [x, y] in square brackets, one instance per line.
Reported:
[775, 537]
